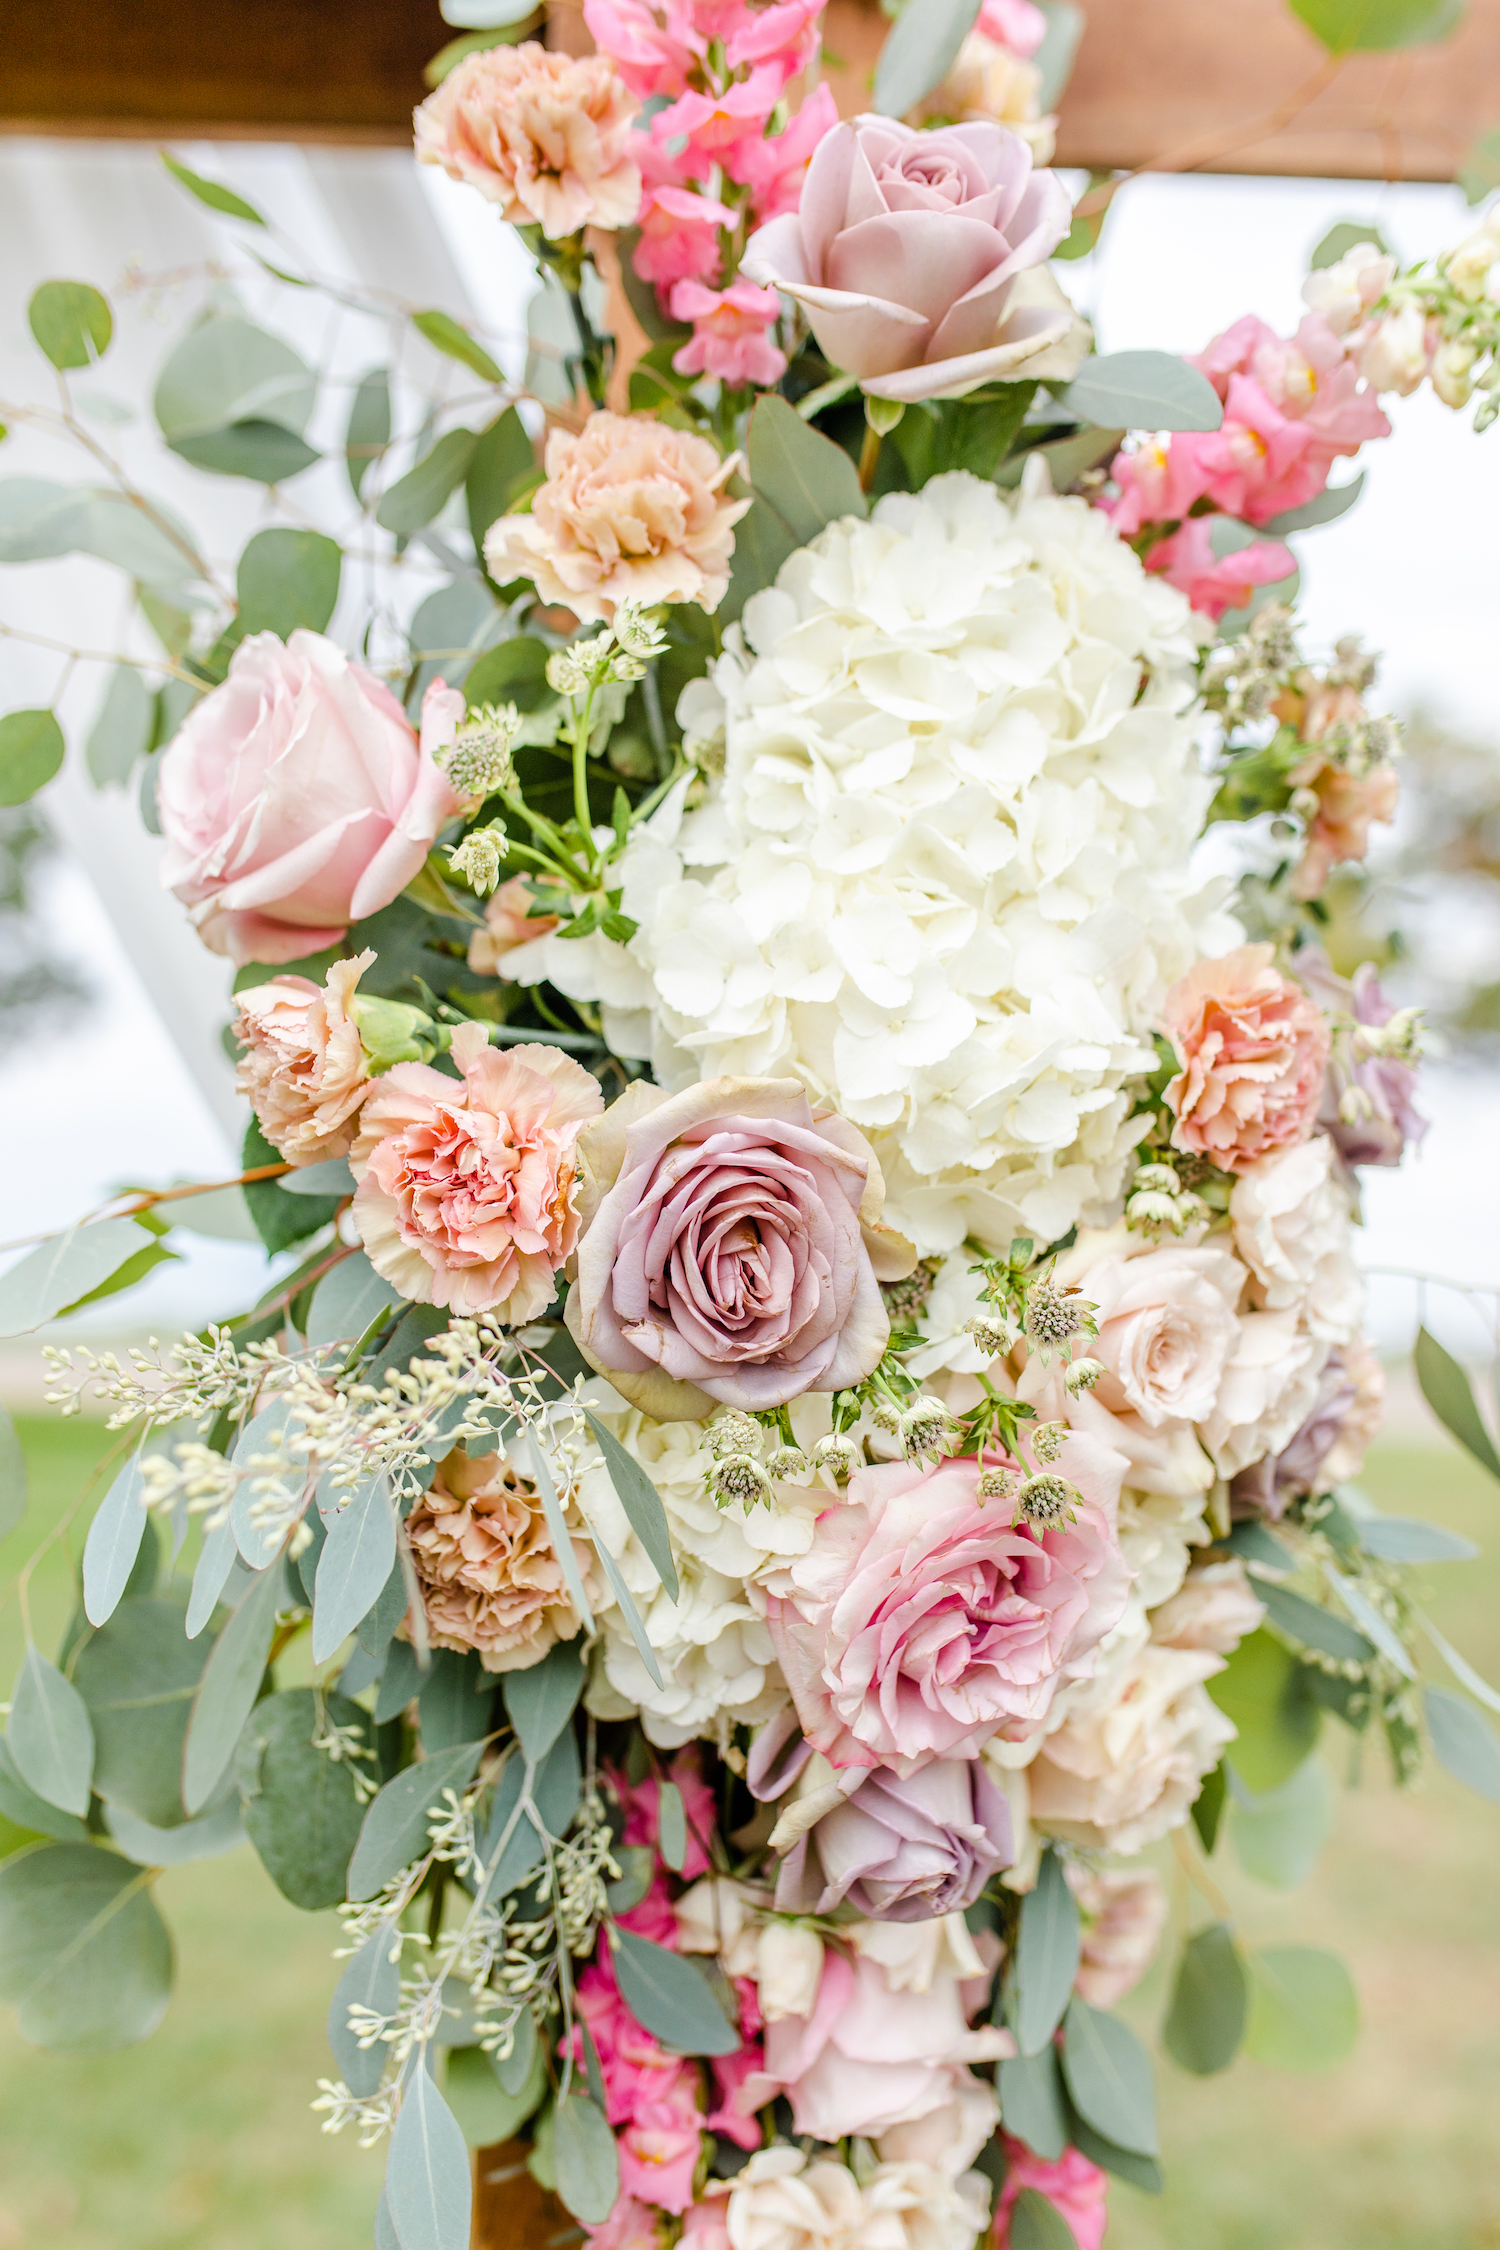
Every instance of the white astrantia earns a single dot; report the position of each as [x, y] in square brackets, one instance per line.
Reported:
[944, 876]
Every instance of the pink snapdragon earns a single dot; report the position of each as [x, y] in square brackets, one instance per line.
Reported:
[1014, 24]
[1076, 2189]
[641, 1805]
[731, 336]
[679, 237]
[1215, 583]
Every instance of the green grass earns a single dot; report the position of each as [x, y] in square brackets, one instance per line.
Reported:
[202, 2139]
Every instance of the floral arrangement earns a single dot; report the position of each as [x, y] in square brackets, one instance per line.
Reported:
[805, 1410]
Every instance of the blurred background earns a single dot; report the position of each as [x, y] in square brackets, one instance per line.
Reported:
[113, 1070]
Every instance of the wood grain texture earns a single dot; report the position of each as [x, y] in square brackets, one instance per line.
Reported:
[510, 2211]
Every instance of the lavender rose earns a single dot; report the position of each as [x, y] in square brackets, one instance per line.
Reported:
[902, 1851]
[731, 1249]
[919, 259]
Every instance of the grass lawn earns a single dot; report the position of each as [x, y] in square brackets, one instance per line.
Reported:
[203, 2138]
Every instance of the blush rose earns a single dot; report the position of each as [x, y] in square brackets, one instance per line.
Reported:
[295, 799]
[922, 1622]
[732, 1251]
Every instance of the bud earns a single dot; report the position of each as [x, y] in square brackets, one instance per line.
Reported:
[638, 630]
[1156, 1179]
[1082, 1376]
[1047, 1441]
[1399, 1040]
[788, 1461]
[1054, 1315]
[1046, 1503]
[478, 759]
[736, 1477]
[991, 1333]
[1355, 1106]
[567, 674]
[478, 858]
[734, 1432]
[886, 1415]
[1149, 1211]
[392, 1032]
[837, 1453]
[927, 1428]
[999, 1484]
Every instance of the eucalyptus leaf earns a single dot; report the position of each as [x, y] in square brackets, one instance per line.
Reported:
[262, 451]
[12, 1476]
[1464, 1742]
[1142, 391]
[259, 1443]
[70, 1266]
[1303, 2011]
[31, 752]
[1261, 1548]
[399, 1682]
[49, 1734]
[1277, 1837]
[1108, 2076]
[85, 1959]
[113, 1542]
[1374, 26]
[212, 192]
[278, 1218]
[215, 1562]
[427, 2180]
[1206, 2020]
[331, 1177]
[1311, 1626]
[1407, 1539]
[376, 1627]
[1448, 1392]
[1031, 2102]
[370, 1980]
[486, 2111]
[122, 732]
[287, 578]
[1053, 60]
[71, 322]
[301, 1808]
[1047, 1953]
[540, 1700]
[920, 49]
[1263, 1690]
[27, 1810]
[632, 1615]
[1127, 2164]
[502, 468]
[138, 1675]
[1037, 2224]
[1371, 1621]
[208, 1837]
[561, 1538]
[807, 480]
[671, 1826]
[448, 1708]
[346, 1300]
[394, 1830]
[639, 1498]
[354, 1566]
[415, 499]
[668, 1995]
[512, 1847]
[369, 431]
[1332, 502]
[445, 335]
[485, 15]
[585, 2160]
[227, 371]
[228, 1689]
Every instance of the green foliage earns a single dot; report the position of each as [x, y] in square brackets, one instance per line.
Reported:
[1262, 1688]
[31, 751]
[919, 51]
[301, 1811]
[966, 433]
[473, 42]
[1142, 391]
[1037, 2224]
[49, 1736]
[1303, 2010]
[1341, 239]
[444, 334]
[113, 1543]
[1108, 2076]
[228, 1688]
[71, 322]
[1054, 57]
[212, 192]
[540, 1701]
[235, 400]
[1206, 2020]
[1374, 26]
[371, 1980]
[415, 499]
[138, 1675]
[485, 2112]
[1277, 1837]
[802, 481]
[279, 1219]
[639, 1498]
[394, 1829]
[669, 1995]
[1313, 1627]
[1333, 501]
[1463, 1742]
[27, 1811]
[1449, 1393]
[63, 1272]
[85, 1959]
[502, 468]
[1479, 173]
[369, 431]
[1047, 1952]
[584, 2158]
[122, 733]
[427, 2181]
[1031, 2101]
[355, 1565]
[285, 579]
[1208, 1808]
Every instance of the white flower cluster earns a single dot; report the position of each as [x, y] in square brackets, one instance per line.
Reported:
[944, 875]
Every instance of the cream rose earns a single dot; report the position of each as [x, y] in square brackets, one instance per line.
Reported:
[1126, 1764]
[1294, 1229]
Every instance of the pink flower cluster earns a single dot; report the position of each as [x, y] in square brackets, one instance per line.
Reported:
[717, 159]
[1292, 406]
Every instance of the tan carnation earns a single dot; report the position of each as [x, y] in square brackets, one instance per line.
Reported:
[489, 1576]
[304, 1070]
[632, 510]
[545, 136]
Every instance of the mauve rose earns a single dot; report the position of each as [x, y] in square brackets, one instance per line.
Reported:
[731, 1248]
[918, 259]
[902, 1850]
[295, 799]
[921, 1622]
[1329, 1447]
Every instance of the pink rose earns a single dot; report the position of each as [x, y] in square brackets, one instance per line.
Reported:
[921, 1622]
[705, 2226]
[902, 1850]
[1253, 1049]
[632, 510]
[546, 136]
[465, 1194]
[304, 1069]
[661, 2144]
[872, 2055]
[913, 256]
[729, 1253]
[295, 800]
[1076, 2188]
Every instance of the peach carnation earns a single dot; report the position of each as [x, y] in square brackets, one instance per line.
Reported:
[1253, 1049]
[304, 1070]
[465, 1193]
[632, 510]
[508, 922]
[485, 1563]
[545, 136]
[1339, 828]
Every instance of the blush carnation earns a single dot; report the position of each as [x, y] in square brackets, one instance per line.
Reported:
[921, 1622]
[1252, 1049]
[295, 799]
[465, 1194]
[304, 1069]
[484, 1560]
[545, 136]
[632, 510]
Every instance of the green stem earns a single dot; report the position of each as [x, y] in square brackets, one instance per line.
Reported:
[583, 728]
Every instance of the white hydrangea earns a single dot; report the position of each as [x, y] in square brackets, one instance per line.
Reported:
[944, 876]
